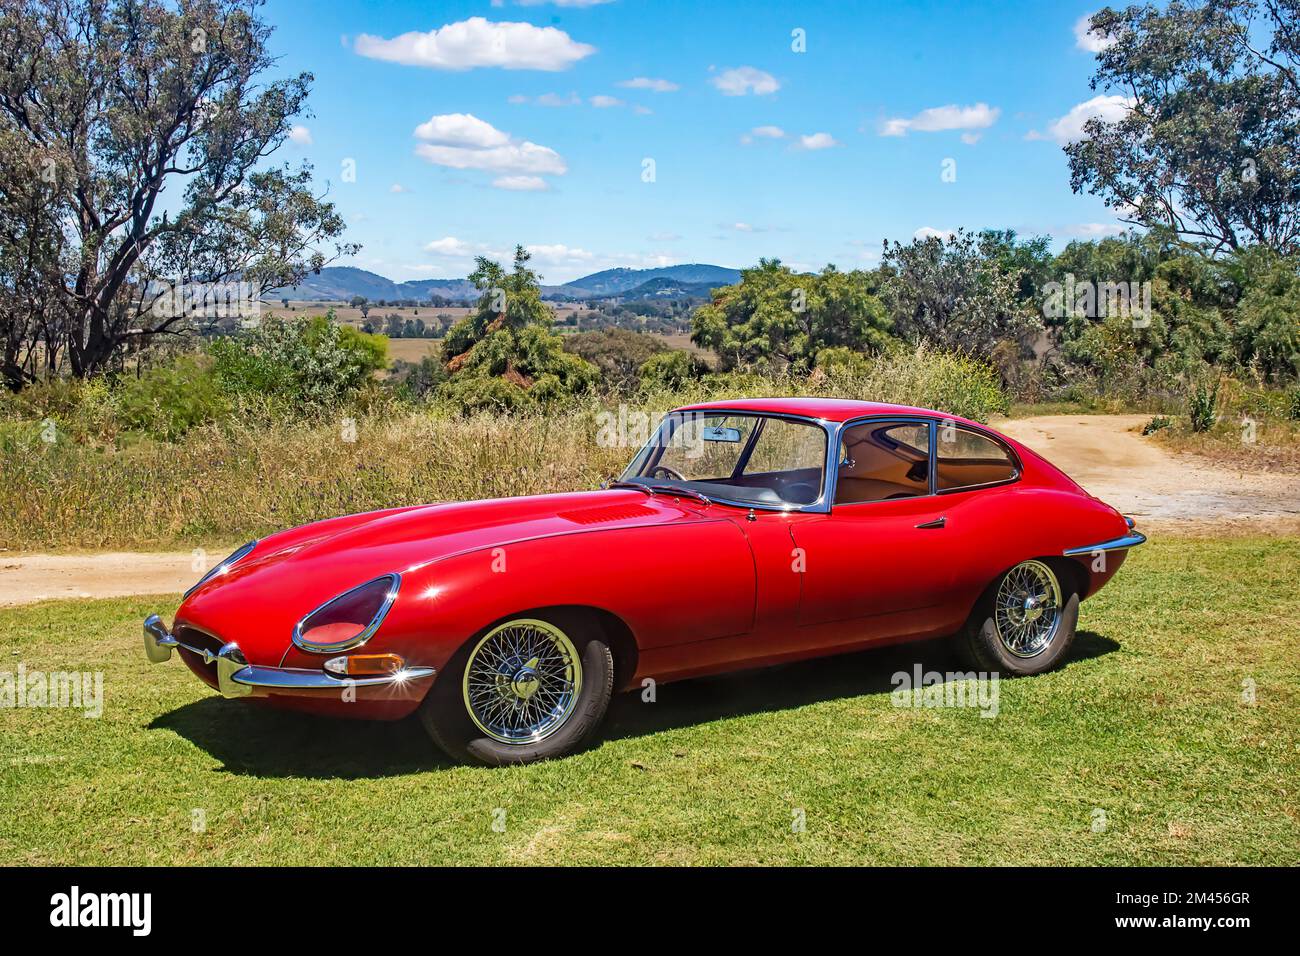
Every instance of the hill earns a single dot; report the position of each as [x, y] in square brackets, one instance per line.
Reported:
[341, 283]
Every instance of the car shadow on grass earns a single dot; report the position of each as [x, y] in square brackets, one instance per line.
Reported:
[261, 741]
[699, 701]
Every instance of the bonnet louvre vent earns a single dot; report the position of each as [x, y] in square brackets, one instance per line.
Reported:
[600, 515]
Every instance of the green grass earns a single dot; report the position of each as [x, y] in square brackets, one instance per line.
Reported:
[1146, 722]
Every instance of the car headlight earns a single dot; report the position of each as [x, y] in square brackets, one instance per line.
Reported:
[223, 566]
[348, 620]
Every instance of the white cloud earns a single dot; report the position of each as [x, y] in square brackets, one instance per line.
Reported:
[463, 141]
[460, 129]
[763, 132]
[650, 83]
[818, 141]
[398, 188]
[940, 118]
[602, 102]
[558, 3]
[970, 139]
[555, 99]
[1069, 128]
[521, 183]
[746, 79]
[512, 158]
[451, 246]
[1085, 38]
[300, 135]
[1094, 230]
[929, 232]
[560, 254]
[547, 99]
[742, 227]
[477, 42]
[664, 237]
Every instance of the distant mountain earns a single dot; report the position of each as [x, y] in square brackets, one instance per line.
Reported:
[619, 281]
[341, 283]
[663, 287]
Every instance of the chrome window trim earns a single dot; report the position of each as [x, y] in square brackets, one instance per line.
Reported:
[395, 584]
[820, 506]
[1017, 464]
[934, 423]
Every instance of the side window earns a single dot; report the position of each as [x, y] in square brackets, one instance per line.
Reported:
[967, 458]
[883, 460]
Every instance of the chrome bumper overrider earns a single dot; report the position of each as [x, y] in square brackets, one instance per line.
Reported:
[238, 678]
[1130, 540]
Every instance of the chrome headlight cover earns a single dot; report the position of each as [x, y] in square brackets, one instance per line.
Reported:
[222, 567]
[300, 640]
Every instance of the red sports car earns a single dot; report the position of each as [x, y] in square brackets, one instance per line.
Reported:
[744, 533]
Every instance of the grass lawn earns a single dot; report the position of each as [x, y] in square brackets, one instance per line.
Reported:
[1146, 722]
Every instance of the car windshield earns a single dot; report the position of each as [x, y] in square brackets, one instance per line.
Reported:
[753, 459]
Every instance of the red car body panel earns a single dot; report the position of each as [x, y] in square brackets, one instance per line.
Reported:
[693, 588]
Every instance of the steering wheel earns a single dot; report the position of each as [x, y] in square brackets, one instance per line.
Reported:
[800, 492]
[663, 471]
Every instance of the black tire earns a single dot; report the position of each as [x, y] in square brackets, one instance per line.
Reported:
[982, 646]
[445, 713]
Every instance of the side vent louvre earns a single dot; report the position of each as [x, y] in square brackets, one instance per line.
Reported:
[600, 515]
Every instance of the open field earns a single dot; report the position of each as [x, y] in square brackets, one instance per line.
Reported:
[1146, 723]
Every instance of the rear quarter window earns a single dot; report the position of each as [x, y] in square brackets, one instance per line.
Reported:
[967, 459]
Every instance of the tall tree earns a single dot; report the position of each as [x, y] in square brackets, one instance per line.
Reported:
[961, 291]
[147, 125]
[1209, 147]
[777, 317]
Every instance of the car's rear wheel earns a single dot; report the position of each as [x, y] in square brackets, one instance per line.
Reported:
[1024, 623]
[531, 688]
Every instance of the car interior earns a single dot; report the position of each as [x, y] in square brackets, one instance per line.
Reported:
[880, 461]
[883, 460]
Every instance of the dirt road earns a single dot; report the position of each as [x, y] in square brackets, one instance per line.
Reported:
[1179, 494]
[1165, 493]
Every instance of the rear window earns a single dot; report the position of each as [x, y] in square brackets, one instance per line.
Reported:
[967, 459]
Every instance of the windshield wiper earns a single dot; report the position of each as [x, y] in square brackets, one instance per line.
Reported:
[630, 484]
[688, 492]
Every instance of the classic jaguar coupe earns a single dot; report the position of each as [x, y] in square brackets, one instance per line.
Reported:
[743, 534]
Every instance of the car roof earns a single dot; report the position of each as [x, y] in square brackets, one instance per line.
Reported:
[827, 409]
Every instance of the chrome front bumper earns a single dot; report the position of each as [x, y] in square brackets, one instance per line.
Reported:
[238, 678]
[1130, 540]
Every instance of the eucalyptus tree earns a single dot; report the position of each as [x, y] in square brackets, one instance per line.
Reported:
[1208, 146]
[147, 127]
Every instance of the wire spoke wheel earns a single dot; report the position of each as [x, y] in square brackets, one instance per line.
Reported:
[522, 681]
[1027, 611]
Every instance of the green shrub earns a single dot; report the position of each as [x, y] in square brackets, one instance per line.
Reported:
[1156, 424]
[483, 393]
[167, 400]
[673, 369]
[301, 363]
[1203, 407]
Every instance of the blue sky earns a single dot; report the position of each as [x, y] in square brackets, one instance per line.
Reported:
[515, 122]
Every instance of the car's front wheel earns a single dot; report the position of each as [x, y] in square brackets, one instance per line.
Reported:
[1024, 623]
[531, 688]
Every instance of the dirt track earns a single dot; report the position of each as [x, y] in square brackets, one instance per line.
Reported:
[1106, 454]
[1178, 494]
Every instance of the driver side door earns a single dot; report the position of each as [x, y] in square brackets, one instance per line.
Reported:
[878, 564]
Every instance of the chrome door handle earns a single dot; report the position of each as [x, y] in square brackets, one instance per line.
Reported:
[936, 523]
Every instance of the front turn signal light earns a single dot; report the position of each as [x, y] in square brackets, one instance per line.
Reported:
[368, 665]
